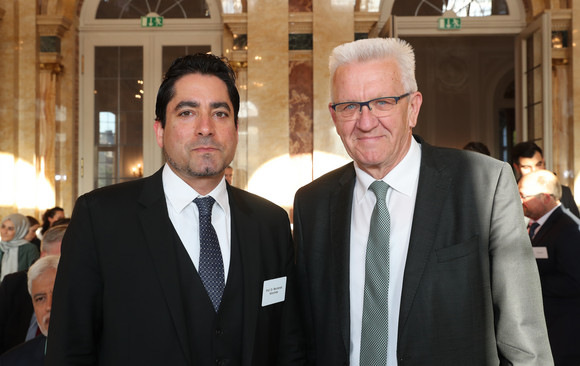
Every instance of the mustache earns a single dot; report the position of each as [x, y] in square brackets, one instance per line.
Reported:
[205, 141]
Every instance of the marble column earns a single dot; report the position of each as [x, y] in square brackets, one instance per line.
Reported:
[575, 80]
[333, 24]
[267, 93]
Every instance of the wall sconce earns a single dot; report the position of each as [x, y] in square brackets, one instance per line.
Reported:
[137, 171]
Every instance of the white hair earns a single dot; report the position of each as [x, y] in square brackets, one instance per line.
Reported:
[375, 49]
[39, 267]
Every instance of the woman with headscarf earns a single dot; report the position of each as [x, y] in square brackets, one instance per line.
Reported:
[16, 253]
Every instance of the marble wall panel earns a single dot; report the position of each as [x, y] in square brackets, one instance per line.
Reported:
[267, 94]
[301, 108]
[300, 5]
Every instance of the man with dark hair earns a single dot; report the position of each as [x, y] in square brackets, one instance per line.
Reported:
[528, 157]
[179, 268]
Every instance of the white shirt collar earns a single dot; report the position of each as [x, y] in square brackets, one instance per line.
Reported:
[180, 194]
[401, 178]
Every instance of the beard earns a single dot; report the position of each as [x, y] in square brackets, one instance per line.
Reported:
[190, 171]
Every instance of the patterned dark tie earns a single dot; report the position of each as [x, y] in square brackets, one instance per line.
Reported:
[374, 333]
[211, 265]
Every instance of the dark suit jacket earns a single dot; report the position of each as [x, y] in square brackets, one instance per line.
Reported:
[568, 201]
[30, 353]
[118, 299]
[15, 310]
[560, 277]
[471, 291]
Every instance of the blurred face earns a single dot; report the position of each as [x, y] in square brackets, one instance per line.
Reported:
[528, 165]
[200, 137]
[31, 232]
[7, 230]
[41, 293]
[534, 202]
[229, 174]
[57, 216]
[376, 144]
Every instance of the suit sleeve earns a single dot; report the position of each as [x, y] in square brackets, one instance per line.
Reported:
[521, 333]
[76, 315]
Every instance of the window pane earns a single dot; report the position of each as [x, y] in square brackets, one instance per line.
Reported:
[463, 8]
[135, 9]
[118, 113]
[170, 53]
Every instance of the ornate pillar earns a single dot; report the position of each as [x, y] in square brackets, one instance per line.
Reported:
[50, 29]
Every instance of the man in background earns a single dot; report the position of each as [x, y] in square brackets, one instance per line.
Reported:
[17, 319]
[556, 243]
[528, 157]
[412, 255]
[41, 277]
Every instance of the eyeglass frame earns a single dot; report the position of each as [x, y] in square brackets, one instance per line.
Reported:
[525, 197]
[368, 102]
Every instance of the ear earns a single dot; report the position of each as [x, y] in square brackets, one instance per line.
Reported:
[159, 131]
[415, 101]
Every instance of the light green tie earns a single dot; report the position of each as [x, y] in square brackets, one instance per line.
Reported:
[374, 335]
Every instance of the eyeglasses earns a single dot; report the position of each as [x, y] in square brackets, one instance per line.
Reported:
[379, 107]
[525, 197]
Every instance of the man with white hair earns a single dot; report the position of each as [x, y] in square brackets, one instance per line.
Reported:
[17, 320]
[41, 277]
[556, 243]
[411, 255]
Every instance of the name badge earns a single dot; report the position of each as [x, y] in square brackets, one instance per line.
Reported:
[540, 252]
[274, 291]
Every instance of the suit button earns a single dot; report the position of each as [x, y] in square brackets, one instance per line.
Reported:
[221, 362]
[219, 332]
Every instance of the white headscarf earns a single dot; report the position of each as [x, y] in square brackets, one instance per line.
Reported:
[9, 249]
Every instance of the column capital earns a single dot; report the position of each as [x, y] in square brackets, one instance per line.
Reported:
[51, 25]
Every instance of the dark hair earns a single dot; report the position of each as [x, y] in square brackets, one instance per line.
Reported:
[49, 213]
[199, 63]
[477, 147]
[32, 221]
[525, 149]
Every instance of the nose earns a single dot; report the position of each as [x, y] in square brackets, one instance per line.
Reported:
[366, 121]
[205, 126]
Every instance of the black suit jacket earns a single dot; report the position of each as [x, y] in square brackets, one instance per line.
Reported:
[560, 277]
[118, 299]
[30, 353]
[471, 291]
[568, 201]
[15, 310]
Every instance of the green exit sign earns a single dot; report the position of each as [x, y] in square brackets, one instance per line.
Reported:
[449, 23]
[152, 22]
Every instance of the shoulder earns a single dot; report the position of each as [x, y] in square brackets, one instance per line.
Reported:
[29, 353]
[250, 202]
[328, 182]
[27, 248]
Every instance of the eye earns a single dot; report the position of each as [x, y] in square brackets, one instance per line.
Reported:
[39, 299]
[221, 114]
[185, 113]
[347, 107]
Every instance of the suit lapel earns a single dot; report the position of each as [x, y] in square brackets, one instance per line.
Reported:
[246, 231]
[340, 218]
[432, 191]
[158, 233]
[545, 228]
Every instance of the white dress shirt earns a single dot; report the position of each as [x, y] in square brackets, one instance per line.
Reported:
[403, 181]
[184, 215]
